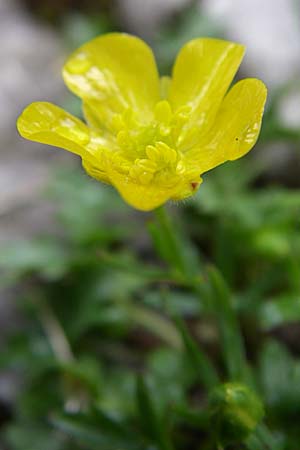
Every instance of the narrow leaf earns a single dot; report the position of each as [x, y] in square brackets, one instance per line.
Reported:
[198, 359]
[230, 334]
[151, 422]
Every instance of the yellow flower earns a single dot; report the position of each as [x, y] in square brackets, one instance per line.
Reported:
[152, 138]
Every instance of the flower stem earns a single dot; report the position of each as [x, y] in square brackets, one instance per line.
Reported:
[217, 299]
[178, 253]
[174, 252]
[177, 256]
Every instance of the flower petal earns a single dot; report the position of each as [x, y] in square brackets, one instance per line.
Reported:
[236, 127]
[113, 73]
[47, 123]
[202, 73]
[143, 197]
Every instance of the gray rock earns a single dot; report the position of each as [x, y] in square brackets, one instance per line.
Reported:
[145, 17]
[269, 29]
[31, 57]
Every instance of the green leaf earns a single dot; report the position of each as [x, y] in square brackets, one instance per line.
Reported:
[184, 303]
[196, 418]
[119, 393]
[95, 431]
[263, 439]
[197, 358]
[37, 436]
[280, 380]
[86, 434]
[168, 376]
[114, 426]
[151, 422]
[86, 373]
[44, 256]
[276, 312]
[230, 334]
[83, 208]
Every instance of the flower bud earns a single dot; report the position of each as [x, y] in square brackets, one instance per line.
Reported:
[235, 411]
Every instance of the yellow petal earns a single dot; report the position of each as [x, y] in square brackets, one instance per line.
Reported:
[143, 197]
[202, 73]
[236, 127]
[113, 73]
[47, 123]
[91, 117]
[95, 169]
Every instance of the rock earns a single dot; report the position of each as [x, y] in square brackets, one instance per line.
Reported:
[31, 58]
[269, 29]
[144, 17]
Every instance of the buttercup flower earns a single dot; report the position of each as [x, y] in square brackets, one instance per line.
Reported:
[152, 138]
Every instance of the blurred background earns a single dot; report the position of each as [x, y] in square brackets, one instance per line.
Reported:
[62, 234]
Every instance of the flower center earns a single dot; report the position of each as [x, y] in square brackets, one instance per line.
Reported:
[150, 151]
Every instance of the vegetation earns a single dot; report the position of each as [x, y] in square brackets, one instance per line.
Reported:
[169, 330]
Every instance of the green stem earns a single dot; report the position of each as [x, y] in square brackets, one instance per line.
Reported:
[176, 255]
[217, 297]
[172, 241]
